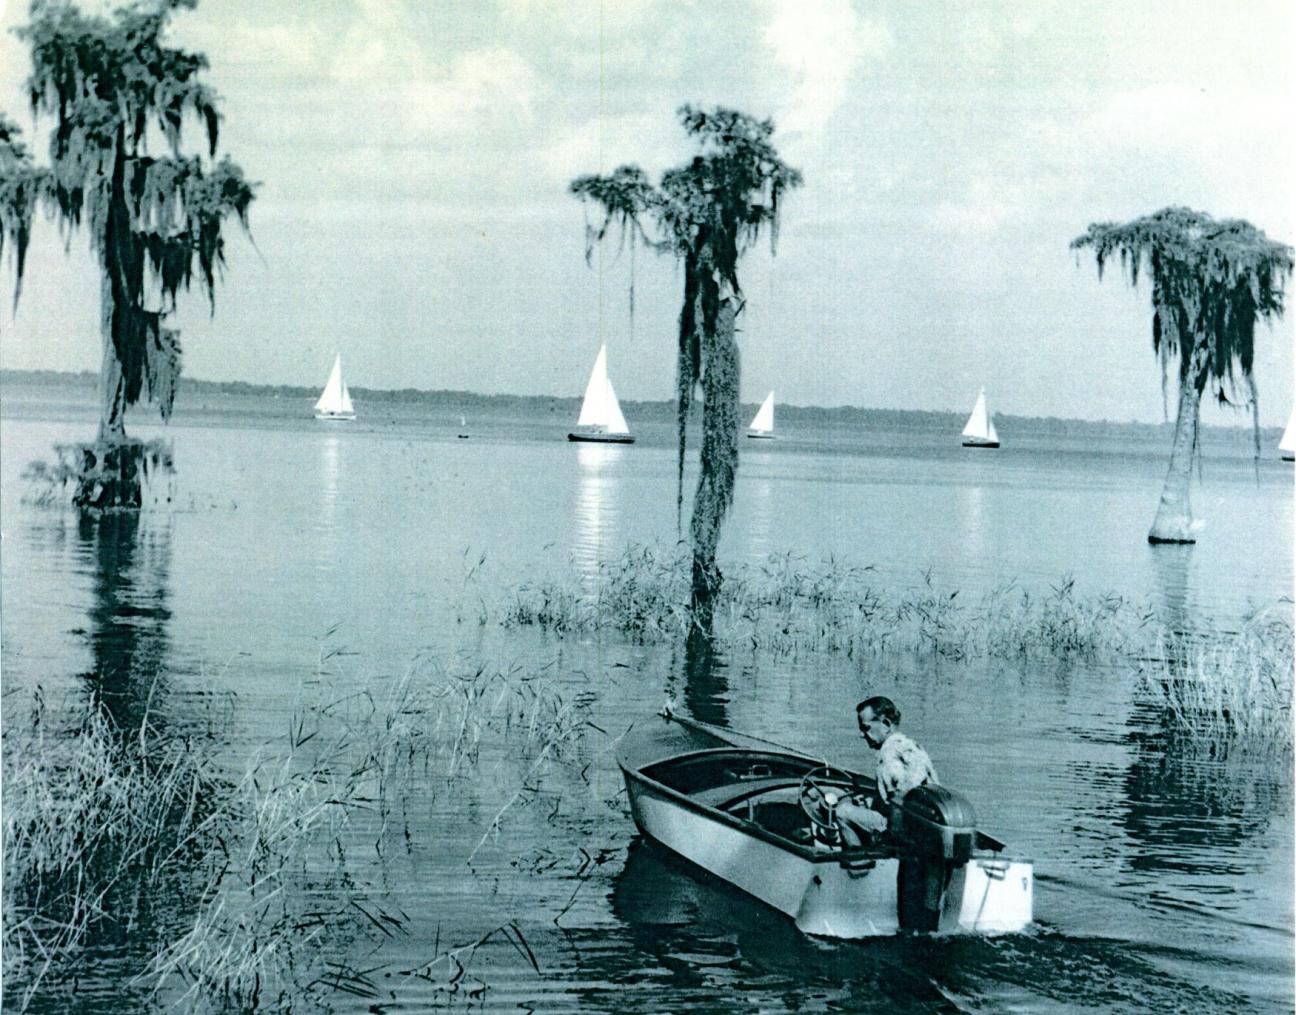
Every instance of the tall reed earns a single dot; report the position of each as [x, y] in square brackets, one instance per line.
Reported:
[1229, 692]
[97, 823]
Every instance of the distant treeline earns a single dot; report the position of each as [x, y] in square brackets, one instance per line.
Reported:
[846, 416]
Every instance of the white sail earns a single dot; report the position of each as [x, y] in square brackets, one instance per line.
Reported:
[335, 401]
[763, 421]
[600, 410]
[1288, 443]
[979, 431]
[979, 425]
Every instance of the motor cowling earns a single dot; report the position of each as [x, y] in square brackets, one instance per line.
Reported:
[936, 823]
[935, 829]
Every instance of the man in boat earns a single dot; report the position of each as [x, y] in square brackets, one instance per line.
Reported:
[901, 766]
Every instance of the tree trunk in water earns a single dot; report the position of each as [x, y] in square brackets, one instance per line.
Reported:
[1174, 521]
[112, 467]
[719, 458]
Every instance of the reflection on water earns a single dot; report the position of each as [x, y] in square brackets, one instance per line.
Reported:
[327, 520]
[707, 940]
[597, 509]
[328, 472]
[128, 561]
[706, 686]
[1218, 805]
[757, 494]
[1171, 563]
[971, 507]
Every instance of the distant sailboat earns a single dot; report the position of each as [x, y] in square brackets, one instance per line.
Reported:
[335, 401]
[463, 428]
[600, 416]
[762, 424]
[980, 429]
[1287, 446]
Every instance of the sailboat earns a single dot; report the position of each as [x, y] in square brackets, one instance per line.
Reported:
[600, 416]
[762, 424]
[980, 429]
[1287, 446]
[335, 401]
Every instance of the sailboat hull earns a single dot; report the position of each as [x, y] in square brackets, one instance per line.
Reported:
[1289, 456]
[601, 438]
[977, 442]
[339, 417]
[756, 435]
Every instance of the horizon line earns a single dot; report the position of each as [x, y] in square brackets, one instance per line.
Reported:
[308, 390]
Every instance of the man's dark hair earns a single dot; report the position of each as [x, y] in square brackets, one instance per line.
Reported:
[883, 708]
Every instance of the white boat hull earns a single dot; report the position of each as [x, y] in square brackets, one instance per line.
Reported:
[851, 907]
[341, 417]
[986, 895]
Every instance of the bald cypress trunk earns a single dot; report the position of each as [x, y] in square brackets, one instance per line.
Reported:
[1174, 520]
[112, 468]
[719, 457]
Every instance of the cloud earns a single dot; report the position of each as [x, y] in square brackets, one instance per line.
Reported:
[821, 43]
[494, 86]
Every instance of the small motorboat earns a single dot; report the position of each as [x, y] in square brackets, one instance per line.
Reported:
[760, 816]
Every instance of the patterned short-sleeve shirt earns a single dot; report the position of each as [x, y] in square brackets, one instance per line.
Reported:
[901, 766]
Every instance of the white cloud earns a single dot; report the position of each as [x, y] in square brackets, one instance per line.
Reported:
[821, 42]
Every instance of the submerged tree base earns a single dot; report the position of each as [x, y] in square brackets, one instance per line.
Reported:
[1174, 527]
[1155, 537]
[103, 475]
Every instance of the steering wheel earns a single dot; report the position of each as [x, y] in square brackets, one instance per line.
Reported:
[821, 790]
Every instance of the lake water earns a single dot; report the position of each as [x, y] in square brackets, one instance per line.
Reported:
[298, 559]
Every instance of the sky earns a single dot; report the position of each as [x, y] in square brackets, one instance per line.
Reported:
[413, 213]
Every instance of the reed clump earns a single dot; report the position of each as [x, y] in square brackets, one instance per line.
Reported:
[1231, 692]
[270, 929]
[789, 605]
[97, 823]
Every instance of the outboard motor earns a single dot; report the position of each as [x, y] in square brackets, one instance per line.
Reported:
[936, 831]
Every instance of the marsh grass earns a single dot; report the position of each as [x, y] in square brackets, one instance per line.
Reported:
[1216, 686]
[1231, 692]
[96, 823]
[343, 785]
[269, 873]
[790, 606]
